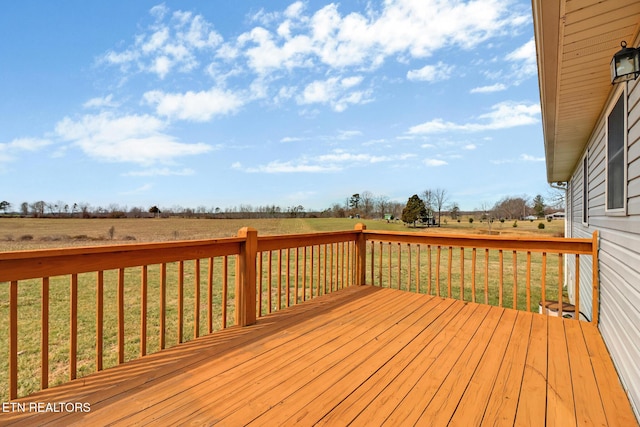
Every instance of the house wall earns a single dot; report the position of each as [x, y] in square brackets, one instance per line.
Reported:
[619, 253]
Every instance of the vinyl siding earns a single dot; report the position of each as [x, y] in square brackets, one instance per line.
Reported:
[619, 253]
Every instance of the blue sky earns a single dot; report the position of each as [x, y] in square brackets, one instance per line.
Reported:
[217, 104]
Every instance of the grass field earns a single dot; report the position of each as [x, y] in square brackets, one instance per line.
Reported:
[26, 234]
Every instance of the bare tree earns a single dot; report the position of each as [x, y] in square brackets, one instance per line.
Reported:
[440, 197]
[366, 203]
[382, 205]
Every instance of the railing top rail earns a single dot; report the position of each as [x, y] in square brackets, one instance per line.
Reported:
[285, 241]
[21, 265]
[533, 244]
[105, 249]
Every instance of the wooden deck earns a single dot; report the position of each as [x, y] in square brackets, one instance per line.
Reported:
[361, 356]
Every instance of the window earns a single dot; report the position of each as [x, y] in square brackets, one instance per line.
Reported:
[616, 157]
[585, 189]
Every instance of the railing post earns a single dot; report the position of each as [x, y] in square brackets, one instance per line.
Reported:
[595, 304]
[361, 255]
[245, 297]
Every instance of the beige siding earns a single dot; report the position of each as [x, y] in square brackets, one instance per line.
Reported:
[619, 248]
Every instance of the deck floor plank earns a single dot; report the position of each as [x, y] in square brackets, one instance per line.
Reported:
[362, 356]
[403, 374]
[276, 352]
[503, 401]
[560, 402]
[588, 411]
[254, 398]
[471, 407]
[334, 385]
[532, 402]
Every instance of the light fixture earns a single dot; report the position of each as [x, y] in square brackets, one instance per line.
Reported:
[625, 64]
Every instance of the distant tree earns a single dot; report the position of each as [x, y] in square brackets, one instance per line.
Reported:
[429, 200]
[556, 198]
[455, 211]
[538, 206]
[414, 210]
[354, 201]
[367, 203]
[511, 207]
[440, 197]
[382, 206]
[24, 208]
[5, 206]
[37, 208]
[154, 210]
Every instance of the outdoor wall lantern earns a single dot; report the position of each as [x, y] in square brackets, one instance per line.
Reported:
[625, 64]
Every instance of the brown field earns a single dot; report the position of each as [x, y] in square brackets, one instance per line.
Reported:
[41, 233]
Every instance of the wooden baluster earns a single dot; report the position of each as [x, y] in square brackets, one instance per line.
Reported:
[324, 270]
[260, 257]
[418, 269]
[501, 275]
[515, 280]
[143, 309]
[99, 319]
[44, 335]
[380, 265]
[543, 282]
[180, 299]
[461, 274]
[279, 293]
[163, 304]
[311, 273]
[577, 287]
[296, 272]
[13, 340]
[73, 333]
[429, 272]
[486, 276]
[409, 268]
[399, 264]
[528, 280]
[438, 252]
[560, 282]
[120, 315]
[449, 270]
[331, 267]
[210, 296]
[196, 297]
[473, 274]
[225, 289]
[371, 265]
[389, 283]
[270, 283]
[288, 280]
[304, 274]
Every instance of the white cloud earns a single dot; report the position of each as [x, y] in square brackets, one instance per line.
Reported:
[9, 149]
[336, 160]
[101, 102]
[172, 42]
[498, 87]
[435, 162]
[288, 167]
[162, 172]
[431, 73]
[529, 158]
[196, 106]
[134, 138]
[523, 62]
[336, 92]
[504, 115]
[399, 28]
[470, 147]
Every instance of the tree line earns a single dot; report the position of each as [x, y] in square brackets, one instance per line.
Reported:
[427, 207]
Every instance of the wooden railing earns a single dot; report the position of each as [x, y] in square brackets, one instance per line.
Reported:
[82, 310]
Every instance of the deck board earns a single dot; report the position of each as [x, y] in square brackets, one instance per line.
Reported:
[362, 356]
